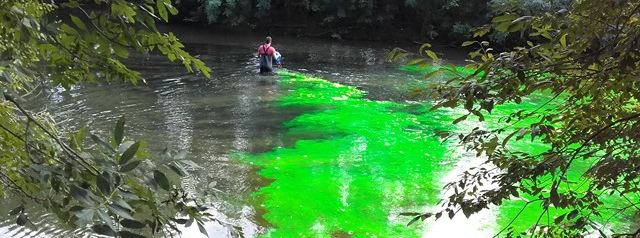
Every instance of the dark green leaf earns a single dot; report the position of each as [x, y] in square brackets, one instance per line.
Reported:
[559, 219]
[84, 216]
[76, 208]
[176, 168]
[129, 166]
[102, 143]
[413, 220]
[80, 194]
[103, 229]
[128, 234]
[161, 180]
[120, 211]
[459, 119]
[103, 185]
[132, 224]
[16, 210]
[129, 153]
[122, 203]
[572, 214]
[202, 229]
[22, 220]
[118, 131]
[105, 218]
[182, 221]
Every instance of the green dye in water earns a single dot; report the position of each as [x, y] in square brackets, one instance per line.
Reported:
[361, 163]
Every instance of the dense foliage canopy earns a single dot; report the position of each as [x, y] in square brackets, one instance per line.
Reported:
[107, 184]
[361, 19]
[587, 57]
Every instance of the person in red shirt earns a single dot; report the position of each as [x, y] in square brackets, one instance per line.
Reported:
[266, 53]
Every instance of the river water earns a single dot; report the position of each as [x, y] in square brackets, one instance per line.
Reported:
[337, 156]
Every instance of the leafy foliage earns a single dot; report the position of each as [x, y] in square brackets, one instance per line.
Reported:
[102, 185]
[422, 18]
[587, 58]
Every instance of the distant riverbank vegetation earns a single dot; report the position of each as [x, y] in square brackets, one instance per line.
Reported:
[390, 20]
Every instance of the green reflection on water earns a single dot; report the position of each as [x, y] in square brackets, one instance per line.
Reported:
[357, 163]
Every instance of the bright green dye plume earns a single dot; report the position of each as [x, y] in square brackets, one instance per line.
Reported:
[358, 163]
[368, 162]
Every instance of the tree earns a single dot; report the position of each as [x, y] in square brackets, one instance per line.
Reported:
[587, 59]
[107, 184]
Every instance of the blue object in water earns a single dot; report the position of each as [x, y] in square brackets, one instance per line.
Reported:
[277, 57]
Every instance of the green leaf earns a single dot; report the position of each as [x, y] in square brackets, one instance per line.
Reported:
[85, 216]
[103, 184]
[16, 210]
[102, 143]
[120, 51]
[563, 40]
[415, 61]
[162, 10]
[129, 153]
[432, 55]
[202, 229]
[129, 166]
[459, 119]
[103, 229]
[170, 7]
[161, 180]
[22, 220]
[122, 203]
[504, 18]
[413, 220]
[468, 43]
[128, 234]
[176, 168]
[105, 218]
[120, 211]
[118, 131]
[503, 27]
[559, 219]
[423, 47]
[132, 224]
[572, 214]
[78, 23]
[81, 195]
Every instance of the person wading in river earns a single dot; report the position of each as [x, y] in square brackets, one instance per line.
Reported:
[266, 53]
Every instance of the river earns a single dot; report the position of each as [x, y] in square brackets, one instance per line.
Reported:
[339, 157]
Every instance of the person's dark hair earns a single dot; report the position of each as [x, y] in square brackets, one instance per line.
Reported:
[268, 40]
